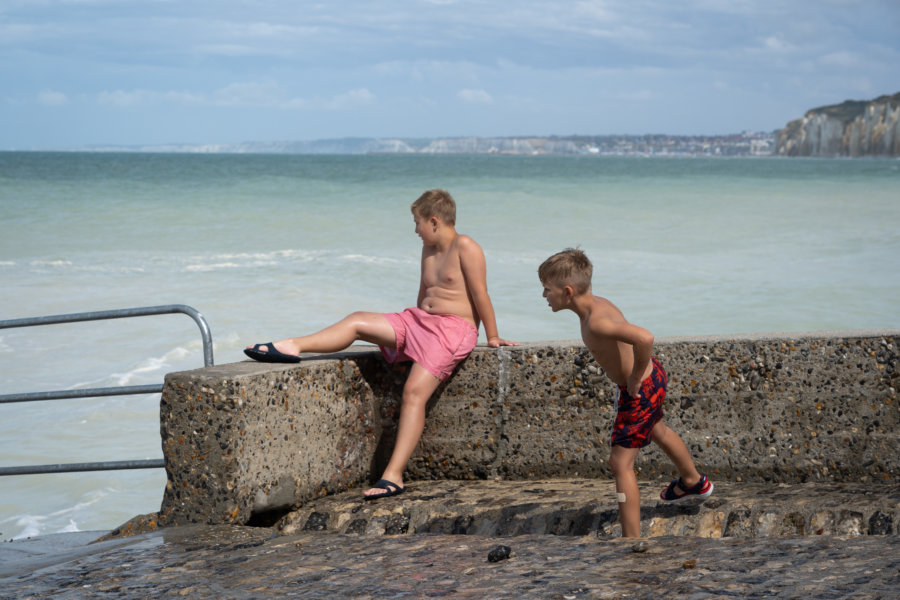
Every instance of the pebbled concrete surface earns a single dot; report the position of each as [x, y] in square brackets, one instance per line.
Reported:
[588, 507]
[249, 438]
[433, 541]
[226, 561]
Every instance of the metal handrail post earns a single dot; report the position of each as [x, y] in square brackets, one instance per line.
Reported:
[125, 390]
[155, 463]
[121, 314]
[107, 391]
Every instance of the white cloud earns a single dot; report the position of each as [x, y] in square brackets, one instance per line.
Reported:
[776, 44]
[270, 30]
[271, 95]
[180, 97]
[49, 98]
[351, 99]
[637, 95]
[230, 50]
[474, 96]
[840, 59]
[260, 94]
[122, 98]
[250, 94]
[438, 71]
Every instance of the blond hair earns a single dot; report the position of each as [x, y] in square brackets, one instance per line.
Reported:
[569, 267]
[436, 203]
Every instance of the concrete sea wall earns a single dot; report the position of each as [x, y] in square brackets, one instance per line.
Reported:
[246, 441]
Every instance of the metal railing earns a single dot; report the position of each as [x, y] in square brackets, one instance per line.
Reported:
[105, 391]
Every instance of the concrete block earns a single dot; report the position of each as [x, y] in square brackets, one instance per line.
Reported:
[247, 439]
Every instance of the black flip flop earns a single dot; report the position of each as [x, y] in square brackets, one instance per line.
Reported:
[390, 489]
[272, 356]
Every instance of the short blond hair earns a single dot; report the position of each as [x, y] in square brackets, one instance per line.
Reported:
[436, 203]
[569, 267]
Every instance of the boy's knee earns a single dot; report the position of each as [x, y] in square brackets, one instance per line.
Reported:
[413, 395]
[613, 465]
[618, 465]
[659, 432]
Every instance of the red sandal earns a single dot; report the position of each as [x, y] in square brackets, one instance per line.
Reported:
[703, 489]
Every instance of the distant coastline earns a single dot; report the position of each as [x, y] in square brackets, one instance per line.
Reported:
[736, 145]
[853, 128]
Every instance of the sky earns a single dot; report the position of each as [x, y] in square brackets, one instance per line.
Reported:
[77, 73]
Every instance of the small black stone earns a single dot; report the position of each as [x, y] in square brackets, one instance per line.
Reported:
[357, 526]
[880, 524]
[397, 524]
[316, 522]
[499, 553]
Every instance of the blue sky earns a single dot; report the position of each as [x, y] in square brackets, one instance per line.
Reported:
[84, 72]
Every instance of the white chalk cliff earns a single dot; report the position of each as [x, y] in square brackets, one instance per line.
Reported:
[852, 128]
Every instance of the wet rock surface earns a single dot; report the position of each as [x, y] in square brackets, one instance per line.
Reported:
[588, 506]
[224, 561]
[439, 537]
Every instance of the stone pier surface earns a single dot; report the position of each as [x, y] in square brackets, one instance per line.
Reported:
[266, 465]
[588, 507]
[250, 441]
[813, 540]
[239, 562]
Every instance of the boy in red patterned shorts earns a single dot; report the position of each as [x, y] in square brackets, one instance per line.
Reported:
[623, 351]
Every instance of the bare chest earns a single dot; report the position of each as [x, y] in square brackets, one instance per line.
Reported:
[442, 270]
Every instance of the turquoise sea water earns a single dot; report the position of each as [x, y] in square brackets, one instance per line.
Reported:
[267, 246]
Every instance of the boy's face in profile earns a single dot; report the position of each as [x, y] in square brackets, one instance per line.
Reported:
[425, 229]
[557, 296]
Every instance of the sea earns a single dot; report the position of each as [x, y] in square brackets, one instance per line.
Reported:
[270, 246]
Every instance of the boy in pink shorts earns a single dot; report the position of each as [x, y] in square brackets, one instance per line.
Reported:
[437, 334]
[623, 351]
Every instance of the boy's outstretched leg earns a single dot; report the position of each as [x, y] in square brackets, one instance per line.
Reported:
[621, 460]
[418, 389]
[358, 326]
[690, 483]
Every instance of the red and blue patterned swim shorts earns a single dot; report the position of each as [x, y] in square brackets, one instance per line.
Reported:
[635, 417]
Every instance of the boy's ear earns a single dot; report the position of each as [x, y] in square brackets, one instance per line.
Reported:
[570, 291]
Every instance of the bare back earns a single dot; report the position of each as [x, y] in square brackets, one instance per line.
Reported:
[443, 289]
[607, 334]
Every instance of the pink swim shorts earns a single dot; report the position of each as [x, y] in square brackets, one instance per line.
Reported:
[436, 342]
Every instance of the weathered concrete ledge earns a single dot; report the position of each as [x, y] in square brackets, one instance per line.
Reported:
[588, 507]
[246, 439]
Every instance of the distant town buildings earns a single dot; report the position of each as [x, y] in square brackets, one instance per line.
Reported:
[740, 144]
[747, 143]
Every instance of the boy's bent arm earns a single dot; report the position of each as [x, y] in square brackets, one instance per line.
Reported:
[641, 342]
[471, 260]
